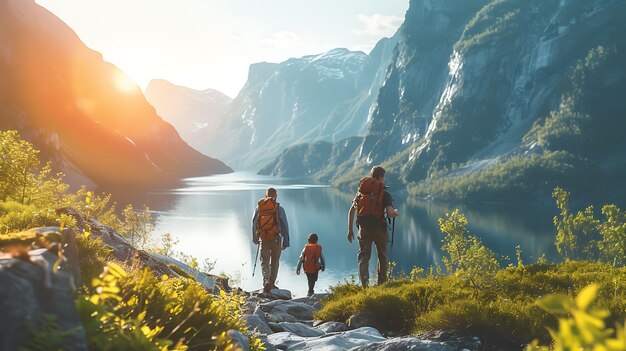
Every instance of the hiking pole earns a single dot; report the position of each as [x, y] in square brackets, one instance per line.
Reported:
[393, 230]
[258, 246]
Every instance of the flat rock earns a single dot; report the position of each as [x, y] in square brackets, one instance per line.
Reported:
[300, 329]
[407, 344]
[332, 327]
[258, 324]
[341, 341]
[299, 310]
[283, 340]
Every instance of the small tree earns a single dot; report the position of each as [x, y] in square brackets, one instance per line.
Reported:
[467, 257]
[575, 234]
[613, 230]
[137, 226]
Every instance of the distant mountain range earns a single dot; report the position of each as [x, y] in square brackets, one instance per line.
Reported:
[189, 111]
[492, 100]
[82, 112]
[318, 97]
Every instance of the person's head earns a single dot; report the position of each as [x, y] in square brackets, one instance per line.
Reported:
[378, 173]
[271, 192]
[313, 238]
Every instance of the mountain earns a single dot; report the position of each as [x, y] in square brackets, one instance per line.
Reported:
[82, 112]
[188, 110]
[498, 100]
[318, 97]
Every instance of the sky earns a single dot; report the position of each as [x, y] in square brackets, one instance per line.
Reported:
[205, 44]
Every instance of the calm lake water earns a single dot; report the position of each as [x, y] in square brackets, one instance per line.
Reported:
[211, 218]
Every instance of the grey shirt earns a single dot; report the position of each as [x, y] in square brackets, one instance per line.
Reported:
[283, 226]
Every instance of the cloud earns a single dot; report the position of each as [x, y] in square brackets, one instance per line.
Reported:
[378, 25]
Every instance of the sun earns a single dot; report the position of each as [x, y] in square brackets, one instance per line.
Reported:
[123, 83]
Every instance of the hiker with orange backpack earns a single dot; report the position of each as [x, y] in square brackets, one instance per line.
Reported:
[313, 261]
[370, 204]
[271, 230]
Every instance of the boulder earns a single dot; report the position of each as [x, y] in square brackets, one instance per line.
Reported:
[300, 329]
[340, 341]
[300, 311]
[276, 328]
[332, 327]
[240, 341]
[36, 286]
[256, 323]
[282, 294]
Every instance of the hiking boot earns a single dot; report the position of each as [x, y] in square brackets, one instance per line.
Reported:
[309, 294]
[275, 287]
[267, 288]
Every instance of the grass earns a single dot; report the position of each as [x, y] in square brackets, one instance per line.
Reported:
[505, 313]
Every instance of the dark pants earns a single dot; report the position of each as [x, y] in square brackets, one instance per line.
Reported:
[312, 278]
[376, 234]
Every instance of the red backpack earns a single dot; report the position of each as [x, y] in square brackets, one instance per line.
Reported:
[312, 254]
[267, 220]
[370, 199]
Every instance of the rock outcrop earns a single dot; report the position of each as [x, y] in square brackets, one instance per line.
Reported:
[37, 289]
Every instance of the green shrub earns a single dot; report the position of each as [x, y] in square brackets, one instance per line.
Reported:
[15, 217]
[141, 312]
[581, 325]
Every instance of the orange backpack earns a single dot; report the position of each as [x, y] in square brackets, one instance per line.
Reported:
[370, 199]
[312, 254]
[267, 220]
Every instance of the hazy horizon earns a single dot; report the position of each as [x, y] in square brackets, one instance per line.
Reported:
[178, 41]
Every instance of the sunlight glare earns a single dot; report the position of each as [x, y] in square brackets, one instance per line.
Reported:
[123, 83]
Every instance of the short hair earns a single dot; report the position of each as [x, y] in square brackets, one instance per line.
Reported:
[313, 238]
[271, 192]
[377, 172]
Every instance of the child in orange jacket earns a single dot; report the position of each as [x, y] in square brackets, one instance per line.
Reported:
[313, 261]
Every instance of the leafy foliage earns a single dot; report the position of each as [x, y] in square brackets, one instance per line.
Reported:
[467, 257]
[142, 312]
[584, 329]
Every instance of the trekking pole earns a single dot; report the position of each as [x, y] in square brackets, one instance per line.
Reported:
[258, 246]
[393, 230]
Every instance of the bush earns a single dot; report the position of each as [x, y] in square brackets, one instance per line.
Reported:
[141, 312]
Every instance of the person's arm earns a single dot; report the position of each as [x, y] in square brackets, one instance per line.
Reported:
[255, 235]
[388, 203]
[300, 261]
[322, 261]
[284, 227]
[351, 223]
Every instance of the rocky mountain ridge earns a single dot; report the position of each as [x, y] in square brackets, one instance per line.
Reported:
[85, 115]
[188, 110]
[318, 97]
[494, 100]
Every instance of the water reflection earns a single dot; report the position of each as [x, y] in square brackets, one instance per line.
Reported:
[211, 217]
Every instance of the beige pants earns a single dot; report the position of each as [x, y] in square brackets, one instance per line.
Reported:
[270, 256]
[376, 234]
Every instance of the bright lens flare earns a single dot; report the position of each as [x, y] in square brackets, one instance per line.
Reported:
[123, 83]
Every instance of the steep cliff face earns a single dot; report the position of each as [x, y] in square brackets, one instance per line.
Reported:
[501, 99]
[82, 112]
[318, 97]
[188, 110]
